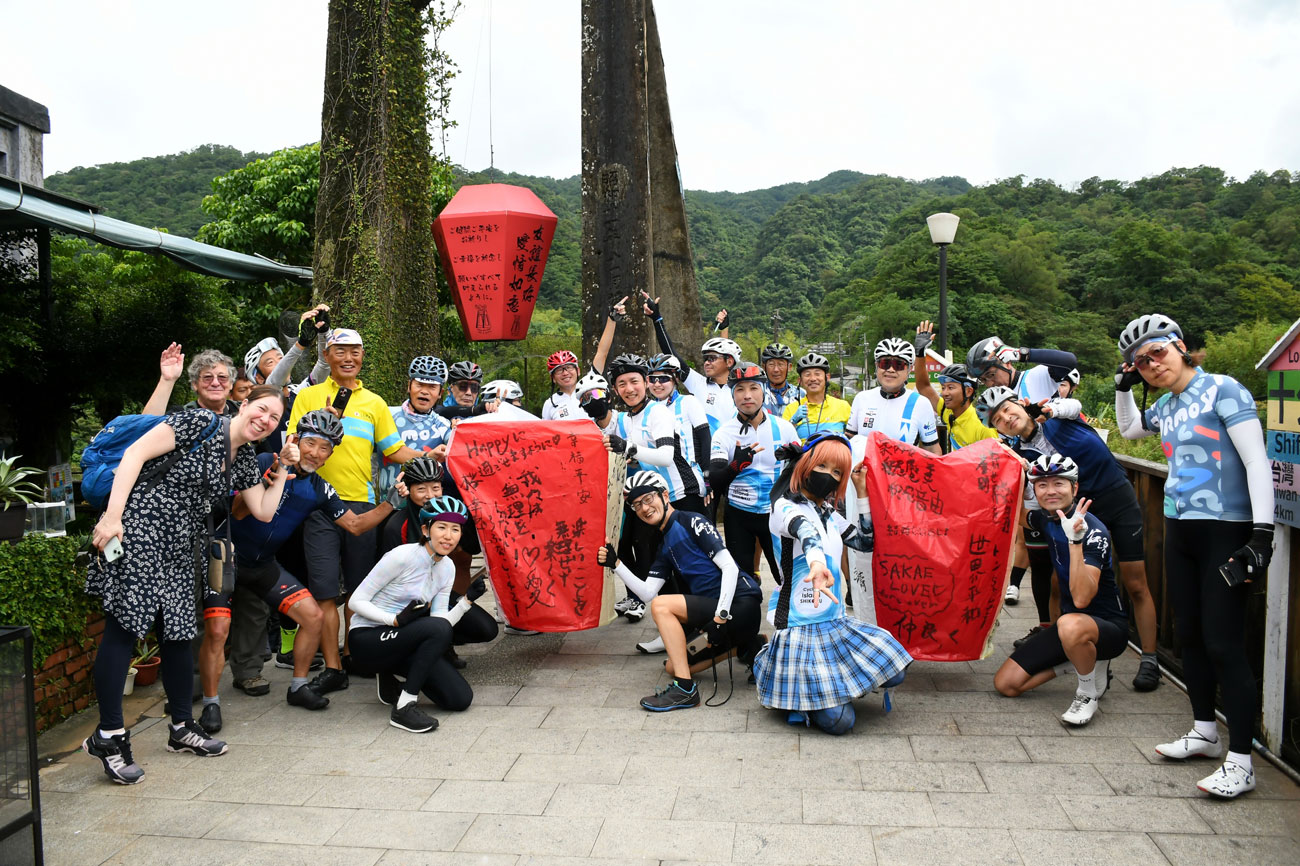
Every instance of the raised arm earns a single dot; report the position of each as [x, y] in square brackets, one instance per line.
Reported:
[924, 336]
[170, 366]
[607, 336]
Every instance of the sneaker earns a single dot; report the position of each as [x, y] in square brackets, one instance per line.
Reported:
[1012, 598]
[115, 754]
[412, 718]
[285, 660]
[651, 647]
[673, 697]
[456, 661]
[521, 632]
[389, 688]
[1190, 745]
[1081, 711]
[210, 718]
[306, 697]
[1019, 642]
[635, 611]
[1103, 677]
[329, 680]
[1148, 676]
[191, 737]
[255, 686]
[1230, 780]
[621, 606]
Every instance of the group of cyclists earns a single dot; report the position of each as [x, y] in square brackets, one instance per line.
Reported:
[343, 511]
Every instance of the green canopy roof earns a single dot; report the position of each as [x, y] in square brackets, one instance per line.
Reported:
[24, 206]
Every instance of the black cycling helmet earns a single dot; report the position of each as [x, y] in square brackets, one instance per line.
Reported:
[421, 470]
[319, 422]
[465, 371]
[627, 363]
[775, 352]
[428, 369]
[959, 374]
[813, 361]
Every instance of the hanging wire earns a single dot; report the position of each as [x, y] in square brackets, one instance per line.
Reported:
[473, 92]
[492, 151]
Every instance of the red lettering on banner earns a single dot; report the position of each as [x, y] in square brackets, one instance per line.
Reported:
[944, 530]
[539, 520]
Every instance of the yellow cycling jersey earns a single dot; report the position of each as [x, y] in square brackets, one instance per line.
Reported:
[966, 428]
[367, 425]
[809, 419]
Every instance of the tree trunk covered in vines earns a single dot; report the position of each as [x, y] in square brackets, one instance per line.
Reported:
[374, 259]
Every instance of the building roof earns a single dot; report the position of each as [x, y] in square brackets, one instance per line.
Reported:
[23, 206]
[1282, 343]
[26, 111]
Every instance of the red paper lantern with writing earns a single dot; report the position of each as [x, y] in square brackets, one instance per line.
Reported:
[944, 531]
[493, 240]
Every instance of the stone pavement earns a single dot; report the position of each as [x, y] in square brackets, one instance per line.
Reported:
[556, 764]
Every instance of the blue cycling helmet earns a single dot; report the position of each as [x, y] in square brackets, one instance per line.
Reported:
[445, 508]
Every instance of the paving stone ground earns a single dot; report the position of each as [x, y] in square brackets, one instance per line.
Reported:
[556, 764]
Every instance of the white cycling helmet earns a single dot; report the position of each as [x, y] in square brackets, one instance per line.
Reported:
[640, 483]
[254, 355]
[1141, 330]
[722, 346]
[1052, 466]
[503, 389]
[990, 400]
[1073, 376]
[591, 382]
[892, 347]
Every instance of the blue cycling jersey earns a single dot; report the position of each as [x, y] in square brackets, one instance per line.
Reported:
[257, 542]
[422, 432]
[689, 545]
[1097, 552]
[1099, 472]
[776, 399]
[1207, 479]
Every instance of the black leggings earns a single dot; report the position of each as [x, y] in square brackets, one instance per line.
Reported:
[1040, 581]
[416, 651]
[742, 529]
[114, 660]
[1210, 618]
[476, 626]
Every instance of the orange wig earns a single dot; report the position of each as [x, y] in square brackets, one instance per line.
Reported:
[833, 453]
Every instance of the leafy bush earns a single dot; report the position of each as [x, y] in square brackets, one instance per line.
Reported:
[41, 586]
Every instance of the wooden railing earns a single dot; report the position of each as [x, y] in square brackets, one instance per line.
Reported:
[1149, 481]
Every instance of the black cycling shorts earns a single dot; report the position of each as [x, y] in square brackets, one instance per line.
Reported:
[1044, 649]
[1119, 512]
[267, 580]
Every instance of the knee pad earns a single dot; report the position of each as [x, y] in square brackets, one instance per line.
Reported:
[835, 720]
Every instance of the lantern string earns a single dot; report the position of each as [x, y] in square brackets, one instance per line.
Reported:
[491, 145]
[473, 93]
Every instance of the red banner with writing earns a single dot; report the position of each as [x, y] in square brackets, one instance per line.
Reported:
[537, 492]
[945, 532]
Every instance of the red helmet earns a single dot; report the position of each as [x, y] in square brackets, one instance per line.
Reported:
[559, 359]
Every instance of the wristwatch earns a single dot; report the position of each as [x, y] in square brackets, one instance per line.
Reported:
[724, 614]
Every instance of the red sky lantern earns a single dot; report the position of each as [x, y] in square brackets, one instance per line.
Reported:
[494, 239]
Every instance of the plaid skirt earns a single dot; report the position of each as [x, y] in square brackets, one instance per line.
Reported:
[825, 664]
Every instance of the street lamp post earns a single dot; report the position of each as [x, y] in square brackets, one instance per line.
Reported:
[943, 228]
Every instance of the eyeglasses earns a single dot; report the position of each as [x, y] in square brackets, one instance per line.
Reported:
[986, 378]
[469, 387]
[645, 502]
[1155, 356]
[709, 357]
[897, 364]
[213, 377]
[660, 380]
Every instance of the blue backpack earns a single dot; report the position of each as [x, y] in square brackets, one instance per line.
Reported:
[101, 458]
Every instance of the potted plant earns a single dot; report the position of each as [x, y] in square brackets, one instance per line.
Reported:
[146, 662]
[16, 491]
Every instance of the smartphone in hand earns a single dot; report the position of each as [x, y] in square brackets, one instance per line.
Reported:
[1233, 573]
[113, 550]
[341, 399]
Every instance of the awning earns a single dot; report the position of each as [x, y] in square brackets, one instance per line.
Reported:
[23, 206]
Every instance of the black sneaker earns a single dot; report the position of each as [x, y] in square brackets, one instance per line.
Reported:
[1019, 642]
[456, 661]
[285, 660]
[191, 737]
[115, 754]
[306, 697]
[389, 688]
[329, 680]
[255, 686]
[1148, 676]
[412, 718]
[674, 697]
[210, 718]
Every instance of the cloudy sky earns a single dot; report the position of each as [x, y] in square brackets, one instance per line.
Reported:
[762, 93]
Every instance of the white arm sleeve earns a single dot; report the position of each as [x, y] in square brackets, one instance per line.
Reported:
[727, 588]
[320, 372]
[1248, 438]
[457, 610]
[659, 456]
[360, 601]
[1127, 416]
[645, 590]
[1065, 407]
[280, 375]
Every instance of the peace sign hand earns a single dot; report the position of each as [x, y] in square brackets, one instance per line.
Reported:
[1075, 527]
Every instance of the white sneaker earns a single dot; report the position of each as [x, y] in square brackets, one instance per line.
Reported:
[1013, 595]
[1102, 673]
[1191, 745]
[635, 611]
[650, 647]
[1230, 780]
[621, 606]
[1081, 711]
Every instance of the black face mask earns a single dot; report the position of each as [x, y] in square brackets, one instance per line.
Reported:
[819, 485]
[596, 409]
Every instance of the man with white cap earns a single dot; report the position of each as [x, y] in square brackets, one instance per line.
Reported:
[337, 562]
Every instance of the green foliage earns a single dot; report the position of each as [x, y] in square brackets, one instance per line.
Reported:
[15, 483]
[41, 586]
[158, 191]
[267, 207]
[1237, 352]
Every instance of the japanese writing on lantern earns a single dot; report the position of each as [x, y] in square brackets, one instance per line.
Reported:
[474, 233]
[526, 267]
